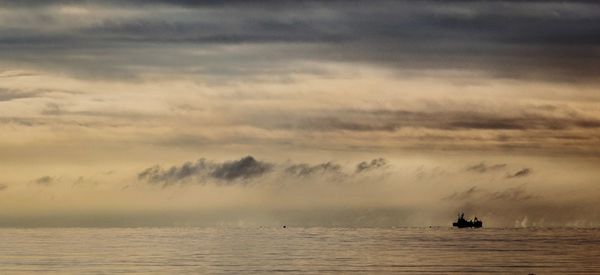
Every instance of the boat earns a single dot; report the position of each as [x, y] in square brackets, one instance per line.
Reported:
[461, 222]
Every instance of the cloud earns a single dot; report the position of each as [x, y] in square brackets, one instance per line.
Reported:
[511, 194]
[244, 168]
[480, 195]
[373, 164]
[202, 169]
[157, 174]
[306, 170]
[424, 173]
[465, 195]
[521, 173]
[45, 180]
[496, 121]
[525, 128]
[550, 40]
[247, 168]
[393, 120]
[482, 167]
[11, 94]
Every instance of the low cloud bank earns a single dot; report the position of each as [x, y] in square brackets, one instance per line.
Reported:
[241, 171]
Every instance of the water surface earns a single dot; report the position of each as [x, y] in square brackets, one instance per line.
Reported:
[298, 250]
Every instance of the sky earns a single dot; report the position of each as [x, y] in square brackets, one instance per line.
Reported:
[304, 113]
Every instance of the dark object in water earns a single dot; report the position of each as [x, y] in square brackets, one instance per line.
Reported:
[462, 223]
[285, 226]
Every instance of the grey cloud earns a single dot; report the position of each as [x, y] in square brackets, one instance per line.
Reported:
[246, 167]
[157, 174]
[515, 39]
[482, 167]
[373, 164]
[202, 169]
[83, 181]
[511, 194]
[521, 173]
[53, 109]
[16, 74]
[305, 170]
[423, 173]
[14, 94]
[551, 129]
[392, 120]
[469, 193]
[182, 3]
[331, 168]
[476, 194]
[34, 121]
[229, 172]
[21, 121]
[45, 180]
[11, 94]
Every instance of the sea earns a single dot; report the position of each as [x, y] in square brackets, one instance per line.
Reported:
[260, 250]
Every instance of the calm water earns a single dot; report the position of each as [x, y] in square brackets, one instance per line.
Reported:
[298, 250]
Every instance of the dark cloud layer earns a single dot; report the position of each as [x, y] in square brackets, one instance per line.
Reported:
[553, 40]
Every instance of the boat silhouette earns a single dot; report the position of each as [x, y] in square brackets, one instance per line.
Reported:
[461, 222]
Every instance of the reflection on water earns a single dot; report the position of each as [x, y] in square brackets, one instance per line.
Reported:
[301, 250]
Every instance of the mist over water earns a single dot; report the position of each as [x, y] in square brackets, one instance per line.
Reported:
[176, 250]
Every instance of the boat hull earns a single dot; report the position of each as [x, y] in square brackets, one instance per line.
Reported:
[468, 224]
